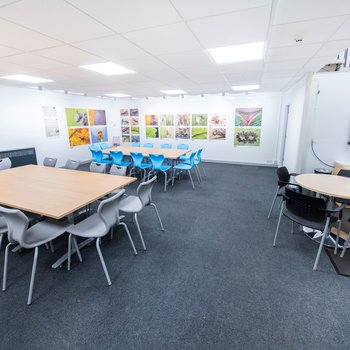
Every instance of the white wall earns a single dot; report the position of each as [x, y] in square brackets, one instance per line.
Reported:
[22, 125]
[223, 150]
[330, 115]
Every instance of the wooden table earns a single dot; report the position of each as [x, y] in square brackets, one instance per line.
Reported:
[55, 192]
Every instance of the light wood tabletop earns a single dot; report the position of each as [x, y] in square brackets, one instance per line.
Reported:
[170, 153]
[55, 192]
[330, 185]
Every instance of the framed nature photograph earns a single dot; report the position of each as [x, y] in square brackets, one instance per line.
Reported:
[217, 120]
[247, 137]
[183, 120]
[248, 116]
[152, 132]
[166, 119]
[217, 134]
[151, 120]
[199, 119]
[199, 133]
[166, 133]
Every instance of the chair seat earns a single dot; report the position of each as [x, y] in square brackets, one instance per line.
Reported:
[124, 164]
[196, 162]
[163, 168]
[144, 166]
[319, 225]
[106, 161]
[90, 227]
[131, 204]
[183, 166]
[184, 158]
[45, 231]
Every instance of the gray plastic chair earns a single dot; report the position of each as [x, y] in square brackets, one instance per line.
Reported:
[50, 162]
[5, 163]
[97, 226]
[72, 165]
[135, 204]
[33, 237]
[3, 229]
[97, 168]
[118, 170]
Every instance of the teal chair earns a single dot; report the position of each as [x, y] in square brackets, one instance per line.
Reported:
[197, 162]
[104, 145]
[158, 166]
[96, 148]
[98, 157]
[183, 146]
[186, 166]
[148, 145]
[166, 145]
[117, 158]
[137, 159]
[135, 144]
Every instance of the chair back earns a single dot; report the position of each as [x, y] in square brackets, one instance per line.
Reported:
[199, 155]
[17, 225]
[50, 162]
[191, 159]
[166, 145]
[135, 144]
[344, 172]
[283, 176]
[118, 170]
[137, 159]
[305, 206]
[182, 146]
[72, 164]
[148, 145]
[97, 167]
[104, 145]
[108, 210]
[157, 161]
[97, 156]
[117, 157]
[94, 147]
[144, 191]
[5, 163]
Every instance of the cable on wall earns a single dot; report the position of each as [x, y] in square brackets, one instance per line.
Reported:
[319, 159]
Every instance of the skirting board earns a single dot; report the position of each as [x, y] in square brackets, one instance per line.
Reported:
[238, 163]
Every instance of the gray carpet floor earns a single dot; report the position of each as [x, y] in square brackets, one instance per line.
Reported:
[212, 280]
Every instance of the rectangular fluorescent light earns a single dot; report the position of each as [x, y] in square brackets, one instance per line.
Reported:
[173, 92]
[26, 78]
[238, 53]
[118, 95]
[108, 68]
[76, 93]
[245, 87]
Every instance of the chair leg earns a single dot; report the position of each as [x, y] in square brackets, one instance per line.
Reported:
[32, 278]
[69, 251]
[98, 240]
[1, 236]
[278, 226]
[76, 246]
[197, 173]
[160, 221]
[205, 175]
[139, 230]
[112, 233]
[173, 179]
[337, 239]
[52, 248]
[165, 183]
[345, 246]
[4, 276]
[273, 202]
[325, 232]
[129, 236]
[189, 173]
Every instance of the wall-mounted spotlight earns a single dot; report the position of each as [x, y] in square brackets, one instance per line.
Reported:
[183, 96]
[163, 97]
[202, 94]
[223, 94]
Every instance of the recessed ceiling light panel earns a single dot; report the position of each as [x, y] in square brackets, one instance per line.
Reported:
[26, 78]
[174, 92]
[245, 87]
[238, 53]
[108, 68]
[117, 95]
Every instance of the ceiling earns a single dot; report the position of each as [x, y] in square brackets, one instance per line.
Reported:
[166, 42]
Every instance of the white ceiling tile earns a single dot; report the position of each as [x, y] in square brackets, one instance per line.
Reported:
[187, 59]
[169, 74]
[34, 61]
[7, 68]
[112, 48]
[199, 8]
[251, 66]
[343, 32]
[55, 18]
[285, 75]
[315, 64]
[295, 52]
[314, 31]
[8, 51]
[69, 55]
[124, 16]
[333, 48]
[232, 29]
[166, 39]
[22, 38]
[301, 10]
[145, 64]
[284, 65]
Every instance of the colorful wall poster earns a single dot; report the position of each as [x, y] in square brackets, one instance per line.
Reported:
[166, 120]
[199, 133]
[79, 136]
[97, 117]
[49, 111]
[217, 134]
[126, 138]
[248, 116]
[152, 132]
[183, 133]
[77, 117]
[135, 130]
[217, 120]
[135, 138]
[166, 132]
[247, 136]
[134, 112]
[135, 121]
[125, 121]
[199, 120]
[183, 120]
[125, 129]
[99, 134]
[124, 112]
[151, 120]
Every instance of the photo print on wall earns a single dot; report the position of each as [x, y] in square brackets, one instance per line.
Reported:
[183, 120]
[248, 117]
[247, 137]
[183, 133]
[99, 134]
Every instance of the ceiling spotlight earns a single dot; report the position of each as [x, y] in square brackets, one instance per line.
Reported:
[183, 96]
[223, 94]
[202, 95]
[163, 97]
[146, 97]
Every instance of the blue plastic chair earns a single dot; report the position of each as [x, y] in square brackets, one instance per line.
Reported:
[99, 157]
[117, 158]
[148, 145]
[137, 159]
[186, 167]
[135, 144]
[197, 161]
[104, 145]
[157, 165]
[166, 145]
[185, 147]
[96, 148]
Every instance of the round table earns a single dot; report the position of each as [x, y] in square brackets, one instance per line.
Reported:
[329, 185]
